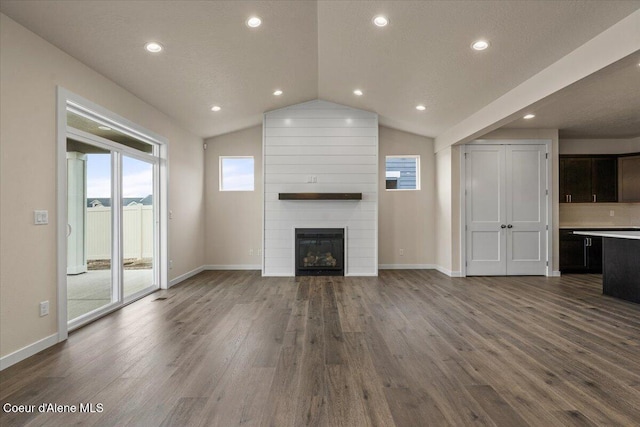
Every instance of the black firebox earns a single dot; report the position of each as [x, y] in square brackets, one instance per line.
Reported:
[319, 251]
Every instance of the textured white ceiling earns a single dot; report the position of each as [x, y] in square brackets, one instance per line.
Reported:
[605, 105]
[318, 50]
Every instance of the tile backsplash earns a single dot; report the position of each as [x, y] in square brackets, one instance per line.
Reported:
[598, 214]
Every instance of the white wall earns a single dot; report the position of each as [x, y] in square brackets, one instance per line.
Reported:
[407, 218]
[234, 218]
[339, 146]
[30, 70]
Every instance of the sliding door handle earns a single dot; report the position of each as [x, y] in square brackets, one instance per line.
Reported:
[594, 198]
[569, 198]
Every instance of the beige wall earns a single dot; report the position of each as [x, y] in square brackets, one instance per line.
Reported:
[30, 70]
[549, 134]
[234, 218]
[599, 146]
[598, 214]
[406, 219]
[456, 255]
[443, 215]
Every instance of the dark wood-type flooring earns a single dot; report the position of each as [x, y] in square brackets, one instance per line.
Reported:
[407, 348]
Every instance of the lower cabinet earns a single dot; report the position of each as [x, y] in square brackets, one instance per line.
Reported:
[580, 254]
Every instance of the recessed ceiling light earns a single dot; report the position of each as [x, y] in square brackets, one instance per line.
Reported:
[277, 92]
[153, 47]
[357, 92]
[216, 108]
[480, 45]
[254, 22]
[381, 21]
[104, 127]
[529, 116]
[421, 107]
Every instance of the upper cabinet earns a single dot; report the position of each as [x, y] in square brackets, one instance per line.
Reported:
[604, 179]
[629, 178]
[588, 179]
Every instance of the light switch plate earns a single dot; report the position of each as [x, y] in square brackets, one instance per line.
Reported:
[40, 217]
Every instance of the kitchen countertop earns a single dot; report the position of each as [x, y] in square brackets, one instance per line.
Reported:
[614, 234]
[600, 227]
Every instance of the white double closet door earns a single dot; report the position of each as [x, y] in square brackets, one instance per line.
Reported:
[506, 210]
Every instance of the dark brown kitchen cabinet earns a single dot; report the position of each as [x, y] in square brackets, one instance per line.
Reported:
[580, 254]
[629, 178]
[604, 179]
[588, 179]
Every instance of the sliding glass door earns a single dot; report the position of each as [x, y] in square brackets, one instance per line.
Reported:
[89, 233]
[113, 221]
[138, 226]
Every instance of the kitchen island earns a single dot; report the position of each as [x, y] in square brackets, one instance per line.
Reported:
[620, 263]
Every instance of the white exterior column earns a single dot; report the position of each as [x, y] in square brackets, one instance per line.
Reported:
[76, 212]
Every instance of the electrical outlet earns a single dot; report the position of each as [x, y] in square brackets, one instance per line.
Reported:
[259, 251]
[170, 214]
[170, 264]
[251, 251]
[44, 308]
[401, 252]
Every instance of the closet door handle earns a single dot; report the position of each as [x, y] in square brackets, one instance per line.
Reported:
[570, 198]
[566, 198]
[503, 226]
[509, 226]
[594, 198]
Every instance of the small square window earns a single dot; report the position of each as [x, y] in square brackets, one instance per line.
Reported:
[236, 173]
[402, 172]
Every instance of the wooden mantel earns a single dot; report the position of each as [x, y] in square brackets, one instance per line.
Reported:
[320, 196]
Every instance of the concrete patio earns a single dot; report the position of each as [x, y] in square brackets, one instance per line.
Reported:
[91, 290]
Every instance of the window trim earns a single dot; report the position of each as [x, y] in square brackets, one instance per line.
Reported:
[418, 174]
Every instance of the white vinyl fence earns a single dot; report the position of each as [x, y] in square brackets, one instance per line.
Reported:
[137, 232]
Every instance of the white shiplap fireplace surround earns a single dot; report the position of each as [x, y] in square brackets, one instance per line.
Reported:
[320, 147]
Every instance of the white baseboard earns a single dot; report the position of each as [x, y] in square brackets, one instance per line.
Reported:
[361, 275]
[448, 272]
[28, 351]
[406, 266]
[185, 276]
[232, 267]
[555, 273]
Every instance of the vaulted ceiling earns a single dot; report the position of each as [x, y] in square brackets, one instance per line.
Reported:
[326, 49]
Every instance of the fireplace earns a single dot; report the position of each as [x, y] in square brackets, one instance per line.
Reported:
[319, 251]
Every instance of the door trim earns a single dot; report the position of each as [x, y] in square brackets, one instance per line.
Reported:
[550, 196]
[100, 114]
